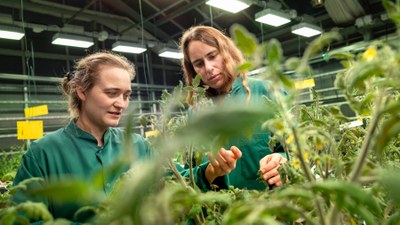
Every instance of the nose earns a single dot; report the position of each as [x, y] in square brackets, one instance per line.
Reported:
[120, 102]
[209, 66]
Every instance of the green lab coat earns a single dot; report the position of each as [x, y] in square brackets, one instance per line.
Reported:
[254, 148]
[72, 152]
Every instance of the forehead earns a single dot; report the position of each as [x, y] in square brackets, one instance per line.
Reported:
[199, 49]
[113, 77]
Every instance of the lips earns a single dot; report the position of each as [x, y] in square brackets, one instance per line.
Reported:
[115, 113]
[213, 77]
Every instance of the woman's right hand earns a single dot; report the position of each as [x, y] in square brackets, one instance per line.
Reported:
[222, 163]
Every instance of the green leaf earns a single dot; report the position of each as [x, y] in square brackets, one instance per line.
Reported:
[194, 211]
[286, 81]
[366, 104]
[319, 43]
[340, 191]
[244, 40]
[393, 108]
[393, 10]
[222, 122]
[390, 129]
[245, 67]
[274, 52]
[35, 210]
[359, 73]
[341, 55]
[390, 180]
[8, 216]
[292, 63]
[67, 191]
[196, 81]
[315, 47]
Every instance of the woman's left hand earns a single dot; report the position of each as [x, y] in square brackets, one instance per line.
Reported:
[269, 168]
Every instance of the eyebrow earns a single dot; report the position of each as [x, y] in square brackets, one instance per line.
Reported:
[117, 89]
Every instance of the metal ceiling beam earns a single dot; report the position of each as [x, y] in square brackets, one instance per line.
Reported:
[80, 10]
[127, 10]
[161, 12]
[157, 9]
[111, 21]
[60, 10]
[180, 11]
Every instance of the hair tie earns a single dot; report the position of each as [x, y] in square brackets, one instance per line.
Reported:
[70, 75]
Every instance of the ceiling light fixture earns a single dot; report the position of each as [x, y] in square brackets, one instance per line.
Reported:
[170, 53]
[306, 29]
[272, 17]
[72, 40]
[127, 47]
[232, 6]
[12, 33]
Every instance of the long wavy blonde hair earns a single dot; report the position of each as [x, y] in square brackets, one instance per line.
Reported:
[231, 55]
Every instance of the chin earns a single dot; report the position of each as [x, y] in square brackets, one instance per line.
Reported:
[113, 123]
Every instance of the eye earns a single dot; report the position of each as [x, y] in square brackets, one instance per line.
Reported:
[111, 94]
[213, 55]
[127, 96]
[198, 64]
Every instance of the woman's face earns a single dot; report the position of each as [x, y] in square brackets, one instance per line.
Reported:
[104, 103]
[208, 62]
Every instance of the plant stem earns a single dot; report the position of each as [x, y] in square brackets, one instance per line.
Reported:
[176, 172]
[300, 155]
[192, 182]
[368, 139]
[306, 171]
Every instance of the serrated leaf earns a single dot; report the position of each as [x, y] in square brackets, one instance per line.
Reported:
[196, 81]
[244, 40]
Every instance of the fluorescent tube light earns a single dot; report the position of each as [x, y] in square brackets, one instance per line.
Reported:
[12, 33]
[170, 53]
[121, 46]
[232, 6]
[306, 30]
[272, 17]
[72, 40]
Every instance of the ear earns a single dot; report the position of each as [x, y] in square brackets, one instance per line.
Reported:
[81, 94]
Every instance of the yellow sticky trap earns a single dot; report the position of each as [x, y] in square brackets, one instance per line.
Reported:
[152, 133]
[302, 84]
[29, 130]
[36, 111]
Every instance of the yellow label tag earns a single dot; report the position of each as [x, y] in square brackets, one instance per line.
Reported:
[29, 130]
[36, 111]
[302, 84]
